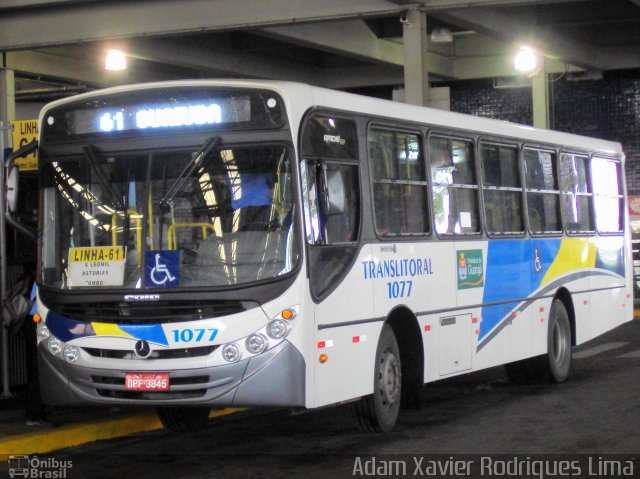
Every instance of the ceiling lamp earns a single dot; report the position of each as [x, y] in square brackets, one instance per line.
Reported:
[115, 61]
[525, 60]
[441, 35]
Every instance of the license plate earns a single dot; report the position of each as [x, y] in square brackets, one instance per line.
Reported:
[146, 382]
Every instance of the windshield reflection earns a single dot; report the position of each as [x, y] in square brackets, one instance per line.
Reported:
[216, 216]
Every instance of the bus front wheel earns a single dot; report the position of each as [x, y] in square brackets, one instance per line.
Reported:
[183, 419]
[378, 412]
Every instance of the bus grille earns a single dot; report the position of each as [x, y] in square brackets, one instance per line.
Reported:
[151, 396]
[123, 312]
[156, 354]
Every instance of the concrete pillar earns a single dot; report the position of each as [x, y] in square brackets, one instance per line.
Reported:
[540, 97]
[7, 113]
[416, 73]
[7, 102]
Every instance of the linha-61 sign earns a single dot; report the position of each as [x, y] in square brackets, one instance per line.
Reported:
[24, 132]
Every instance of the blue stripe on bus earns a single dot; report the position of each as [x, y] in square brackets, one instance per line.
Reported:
[511, 273]
[66, 329]
[517, 268]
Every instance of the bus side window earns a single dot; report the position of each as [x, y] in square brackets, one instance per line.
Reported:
[543, 195]
[502, 189]
[399, 182]
[455, 188]
[608, 198]
[577, 194]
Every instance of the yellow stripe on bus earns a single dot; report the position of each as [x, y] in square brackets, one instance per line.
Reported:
[107, 329]
[574, 254]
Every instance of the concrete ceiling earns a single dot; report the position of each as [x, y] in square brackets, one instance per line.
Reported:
[57, 46]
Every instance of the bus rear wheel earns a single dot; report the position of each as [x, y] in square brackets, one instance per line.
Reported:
[558, 359]
[378, 412]
[554, 366]
[183, 419]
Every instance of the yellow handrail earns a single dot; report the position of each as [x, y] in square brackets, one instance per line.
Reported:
[171, 231]
[150, 224]
[135, 216]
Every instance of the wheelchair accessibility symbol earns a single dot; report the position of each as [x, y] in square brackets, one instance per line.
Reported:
[162, 268]
[537, 262]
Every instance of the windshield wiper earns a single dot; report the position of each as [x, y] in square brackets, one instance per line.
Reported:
[212, 143]
[90, 155]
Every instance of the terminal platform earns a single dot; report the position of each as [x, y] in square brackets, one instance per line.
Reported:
[71, 427]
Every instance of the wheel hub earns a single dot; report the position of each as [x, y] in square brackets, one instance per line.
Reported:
[390, 378]
[559, 344]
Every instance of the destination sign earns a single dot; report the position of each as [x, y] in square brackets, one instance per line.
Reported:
[156, 111]
[156, 116]
[96, 266]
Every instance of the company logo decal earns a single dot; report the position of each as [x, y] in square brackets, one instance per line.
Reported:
[470, 267]
[336, 139]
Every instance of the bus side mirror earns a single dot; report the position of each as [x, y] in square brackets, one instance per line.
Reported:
[11, 193]
[12, 189]
[333, 194]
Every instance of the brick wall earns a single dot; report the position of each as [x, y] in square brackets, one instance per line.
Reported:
[479, 98]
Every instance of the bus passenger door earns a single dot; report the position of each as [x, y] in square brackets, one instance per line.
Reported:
[346, 332]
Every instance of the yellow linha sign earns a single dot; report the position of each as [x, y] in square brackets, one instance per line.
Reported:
[24, 132]
[100, 254]
[96, 267]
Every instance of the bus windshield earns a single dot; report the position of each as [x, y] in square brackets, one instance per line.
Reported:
[207, 216]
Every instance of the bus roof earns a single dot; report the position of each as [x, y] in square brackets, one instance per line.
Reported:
[300, 97]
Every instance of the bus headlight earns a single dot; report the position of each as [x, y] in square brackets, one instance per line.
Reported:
[55, 345]
[43, 332]
[277, 329]
[231, 353]
[71, 354]
[256, 343]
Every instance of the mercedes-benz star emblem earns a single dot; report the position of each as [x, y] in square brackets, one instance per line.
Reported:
[142, 349]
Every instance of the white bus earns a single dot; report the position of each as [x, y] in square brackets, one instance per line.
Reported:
[250, 243]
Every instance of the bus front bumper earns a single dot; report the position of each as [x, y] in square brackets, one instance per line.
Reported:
[273, 378]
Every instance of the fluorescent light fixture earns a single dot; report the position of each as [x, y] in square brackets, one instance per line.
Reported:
[115, 61]
[525, 60]
[441, 35]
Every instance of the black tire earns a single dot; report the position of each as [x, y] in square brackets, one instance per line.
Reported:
[553, 367]
[183, 419]
[378, 412]
[557, 366]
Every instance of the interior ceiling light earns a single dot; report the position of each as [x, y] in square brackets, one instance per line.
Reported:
[441, 35]
[115, 61]
[525, 60]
